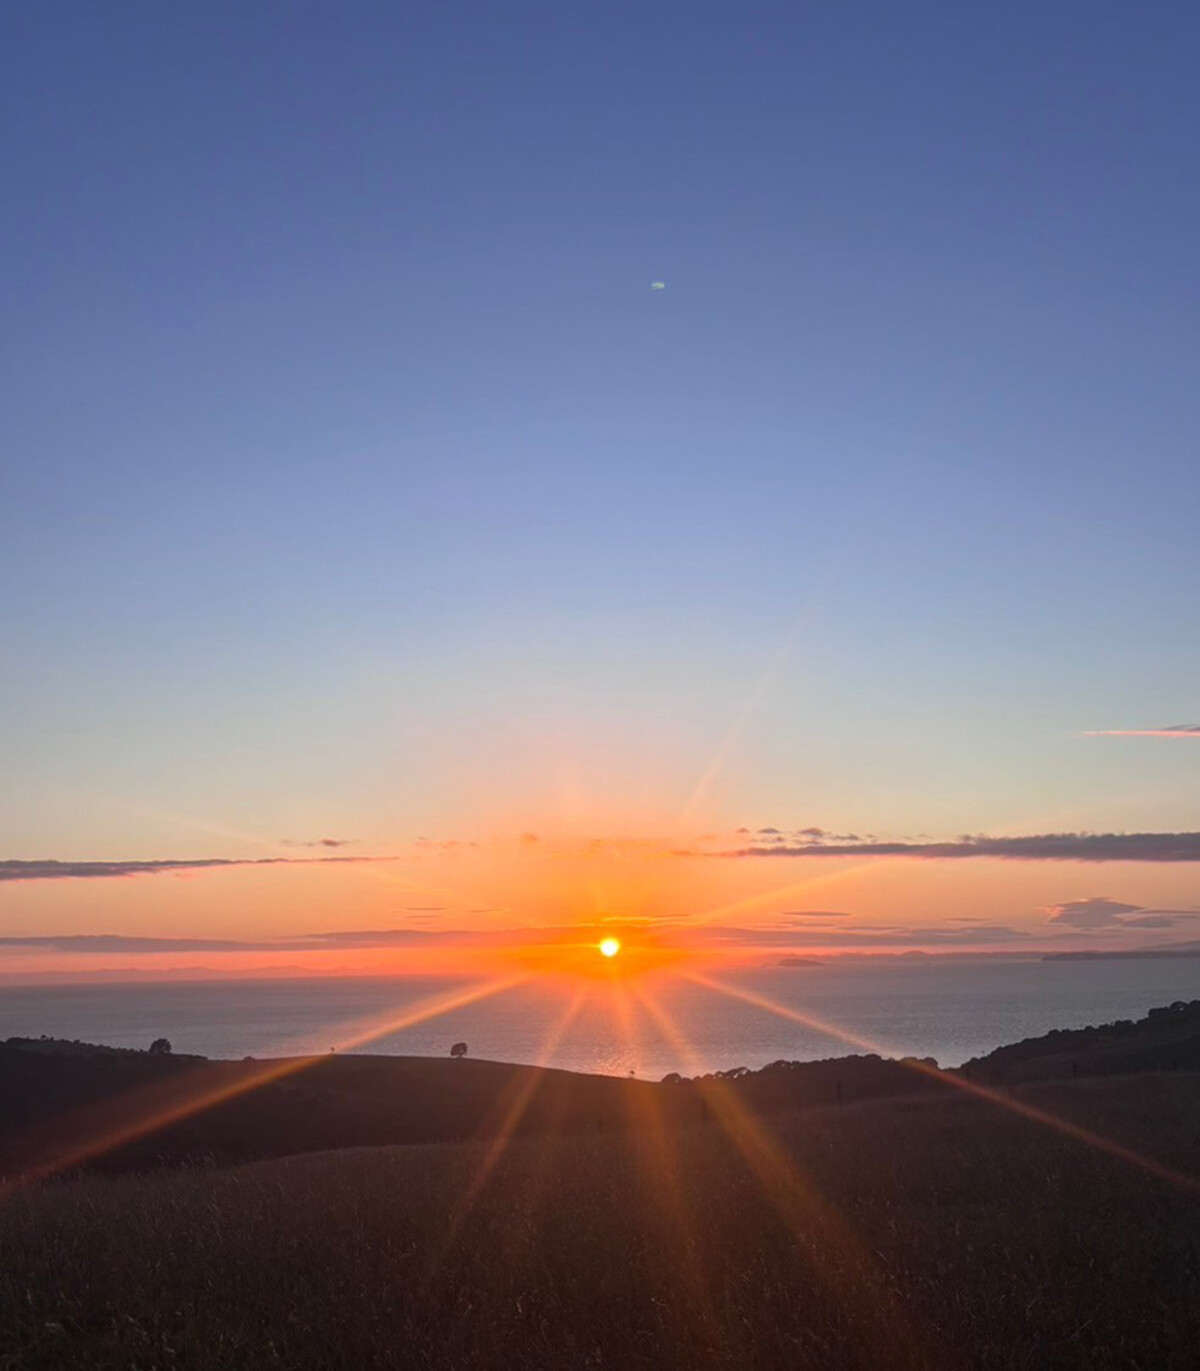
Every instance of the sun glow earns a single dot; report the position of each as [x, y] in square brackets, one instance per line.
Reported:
[609, 947]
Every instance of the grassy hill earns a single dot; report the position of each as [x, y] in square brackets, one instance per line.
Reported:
[937, 1232]
[1167, 1039]
[71, 1106]
[56, 1107]
[1037, 1209]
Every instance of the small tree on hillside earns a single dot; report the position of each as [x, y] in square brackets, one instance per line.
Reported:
[458, 1050]
[160, 1046]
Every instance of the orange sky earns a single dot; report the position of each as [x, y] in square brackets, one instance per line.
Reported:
[469, 905]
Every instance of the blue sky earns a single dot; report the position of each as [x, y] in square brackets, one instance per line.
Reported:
[356, 481]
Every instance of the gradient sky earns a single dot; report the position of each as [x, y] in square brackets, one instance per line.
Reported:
[357, 483]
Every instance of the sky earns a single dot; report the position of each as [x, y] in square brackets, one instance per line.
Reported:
[633, 426]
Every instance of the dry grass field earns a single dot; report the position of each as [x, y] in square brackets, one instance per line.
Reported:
[924, 1233]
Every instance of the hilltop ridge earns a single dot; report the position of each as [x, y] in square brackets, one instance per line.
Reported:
[1167, 1039]
[77, 1105]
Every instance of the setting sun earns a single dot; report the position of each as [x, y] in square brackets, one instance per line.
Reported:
[609, 947]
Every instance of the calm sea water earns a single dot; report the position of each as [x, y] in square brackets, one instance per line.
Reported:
[948, 1010]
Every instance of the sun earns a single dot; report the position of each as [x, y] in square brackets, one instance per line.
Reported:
[609, 947]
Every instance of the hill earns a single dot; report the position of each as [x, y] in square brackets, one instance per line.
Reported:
[1167, 1039]
[72, 1106]
[854, 1213]
[894, 1235]
[109, 1110]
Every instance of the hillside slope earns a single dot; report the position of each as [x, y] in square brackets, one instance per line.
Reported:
[902, 1235]
[1167, 1039]
[129, 1110]
[64, 1107]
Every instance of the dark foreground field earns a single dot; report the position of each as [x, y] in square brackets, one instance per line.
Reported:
[923, 1233]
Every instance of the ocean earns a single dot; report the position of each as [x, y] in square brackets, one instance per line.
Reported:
[946, 1009]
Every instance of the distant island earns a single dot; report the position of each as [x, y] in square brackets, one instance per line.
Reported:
[794, 959]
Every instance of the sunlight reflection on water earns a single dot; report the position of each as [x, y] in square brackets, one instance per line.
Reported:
[946, 1010]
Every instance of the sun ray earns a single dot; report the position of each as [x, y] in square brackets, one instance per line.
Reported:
[165, 1103]
[372, 869]
[805, 885]
[363, 1031]
[654, 1139]
[759, 1001]
[529, 1084]
[512, 1111]
[813, 1221]
[623, 1009]
[771, 672]
[1180, 1179]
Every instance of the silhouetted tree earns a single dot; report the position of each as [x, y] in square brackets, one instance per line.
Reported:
[160, 1046]
[459, 1050]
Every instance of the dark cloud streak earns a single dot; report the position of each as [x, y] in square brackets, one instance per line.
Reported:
[815, 914]
[11, 870]
[319, 842]
[1038, 847]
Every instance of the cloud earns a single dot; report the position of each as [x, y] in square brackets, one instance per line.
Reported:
[1101, 912]
[864, 936]
[819, 835]
[1098, 912]
[708, 936]
[974, 933]
[373, 937]
[319, 842]
[120, 942]
[1038, 847]
[815, 914]
[300, 942]
[48, 870]
[1171, 731]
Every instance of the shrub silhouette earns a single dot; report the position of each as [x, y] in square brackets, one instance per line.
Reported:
[459, 1050]
[160, 1046]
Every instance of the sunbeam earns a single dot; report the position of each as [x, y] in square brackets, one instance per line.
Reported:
[654, 1140]
[813, 1221]
[1190, 1184]
[767, 678]
[278, 846]
[513, 1111]
[167, 1102]
[758, 1001]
